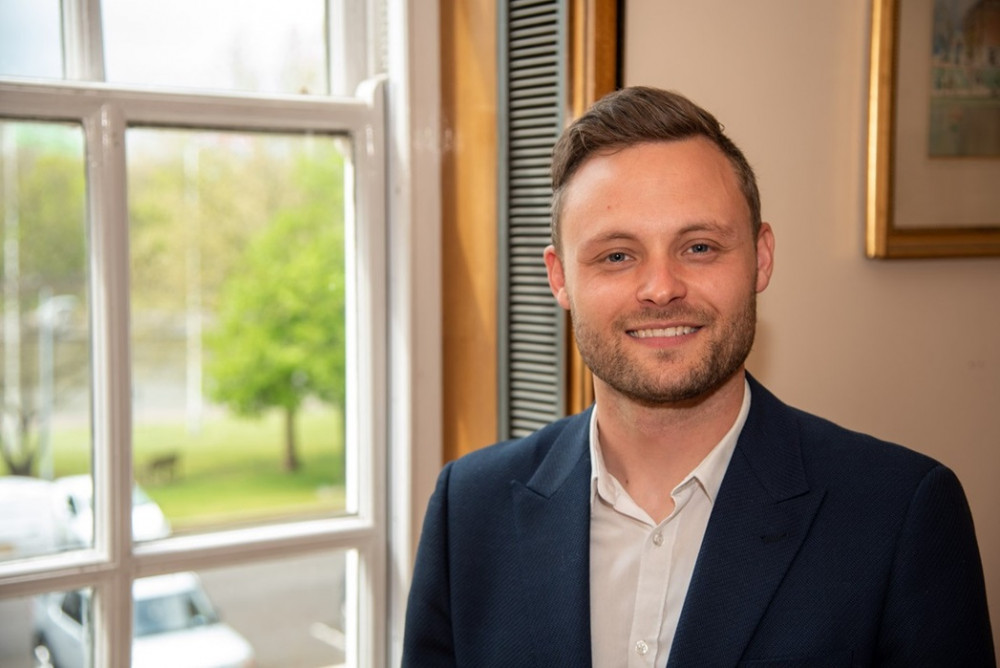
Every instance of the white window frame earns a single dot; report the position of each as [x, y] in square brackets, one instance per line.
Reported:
[105, 113]
[415, 145]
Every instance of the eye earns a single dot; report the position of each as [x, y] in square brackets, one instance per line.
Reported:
[617, 257]
[700, 249]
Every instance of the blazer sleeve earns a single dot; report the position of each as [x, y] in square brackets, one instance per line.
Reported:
[935, 612]
[427, 638]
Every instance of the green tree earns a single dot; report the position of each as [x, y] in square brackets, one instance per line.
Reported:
[47, 201]
[280, 337]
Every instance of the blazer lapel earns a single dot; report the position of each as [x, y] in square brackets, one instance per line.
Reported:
[552, 515]
[761, 516]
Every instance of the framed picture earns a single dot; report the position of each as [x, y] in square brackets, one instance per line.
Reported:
[933, 130]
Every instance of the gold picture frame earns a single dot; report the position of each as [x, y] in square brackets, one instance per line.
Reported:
[885, 238]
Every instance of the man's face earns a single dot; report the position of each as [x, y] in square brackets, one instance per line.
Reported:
[660, 269]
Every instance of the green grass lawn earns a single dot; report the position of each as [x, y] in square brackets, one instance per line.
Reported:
[230, 471]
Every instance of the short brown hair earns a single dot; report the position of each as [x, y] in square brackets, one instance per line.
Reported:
[638, 115]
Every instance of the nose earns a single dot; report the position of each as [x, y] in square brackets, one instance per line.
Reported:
[660, 283]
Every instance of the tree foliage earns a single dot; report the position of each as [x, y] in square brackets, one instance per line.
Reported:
[280, 336]
[242, 230]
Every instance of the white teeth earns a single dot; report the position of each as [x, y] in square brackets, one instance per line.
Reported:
[664, 332]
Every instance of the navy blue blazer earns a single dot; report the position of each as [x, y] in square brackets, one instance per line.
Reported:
[825, 547]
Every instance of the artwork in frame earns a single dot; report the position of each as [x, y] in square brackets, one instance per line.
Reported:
[934, 129]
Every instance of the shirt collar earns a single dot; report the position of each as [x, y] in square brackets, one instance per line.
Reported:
[709, 473]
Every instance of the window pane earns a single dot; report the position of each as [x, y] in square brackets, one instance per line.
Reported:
[30, 41]
[45, 430]
[302, 623]
[212, 618]
[16, 632]
[174, 616]
[248, 45]
[238, 335]
[55, 625]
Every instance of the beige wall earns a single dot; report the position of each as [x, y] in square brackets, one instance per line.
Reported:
[908, 350]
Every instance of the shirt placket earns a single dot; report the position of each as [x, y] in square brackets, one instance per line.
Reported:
[655, 565]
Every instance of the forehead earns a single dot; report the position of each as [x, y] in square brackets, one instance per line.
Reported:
[663, 185]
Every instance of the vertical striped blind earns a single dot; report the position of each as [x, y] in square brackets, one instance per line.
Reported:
[532, 336]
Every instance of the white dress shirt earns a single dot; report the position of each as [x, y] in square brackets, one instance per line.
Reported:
[640, 570]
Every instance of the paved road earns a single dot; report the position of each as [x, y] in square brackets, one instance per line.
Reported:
[290, 611]
[15, 633]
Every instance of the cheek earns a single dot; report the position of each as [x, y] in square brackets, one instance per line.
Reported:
[724, 294]
[577, 299]
[596, 294]
[602, 308]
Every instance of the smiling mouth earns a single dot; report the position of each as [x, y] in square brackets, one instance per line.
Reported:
[662, 332]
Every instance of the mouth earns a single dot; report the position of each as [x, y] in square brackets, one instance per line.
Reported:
[662, 332]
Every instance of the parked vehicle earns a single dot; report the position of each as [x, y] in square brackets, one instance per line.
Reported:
[77, 492]
[32, 519]
[174, 624]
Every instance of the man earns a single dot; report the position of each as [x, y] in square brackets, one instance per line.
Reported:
[689, 518]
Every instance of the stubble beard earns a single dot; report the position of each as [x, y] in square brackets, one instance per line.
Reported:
[656, 385]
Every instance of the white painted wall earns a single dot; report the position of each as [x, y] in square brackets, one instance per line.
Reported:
[907, 350]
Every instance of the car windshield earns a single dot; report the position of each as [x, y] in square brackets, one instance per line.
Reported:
[174, 612]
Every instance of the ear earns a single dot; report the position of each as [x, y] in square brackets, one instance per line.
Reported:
[557, 276]
[765, 256]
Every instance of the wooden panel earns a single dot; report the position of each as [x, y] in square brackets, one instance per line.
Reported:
[594, 49]
[469, 226]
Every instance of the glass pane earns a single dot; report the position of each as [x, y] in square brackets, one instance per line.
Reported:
[238, 335]
[213, 618]
[50, 629]
[45, 430]
[248, 45]
[30, 40]
[303, 621]
[174, 617]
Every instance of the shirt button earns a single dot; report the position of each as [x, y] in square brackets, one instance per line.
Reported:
[641, 648]
[657, 539]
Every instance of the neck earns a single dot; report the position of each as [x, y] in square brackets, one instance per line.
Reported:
[651, 449]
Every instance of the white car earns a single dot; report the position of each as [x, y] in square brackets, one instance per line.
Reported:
[32, 519]
[173, 625]
[148, 521]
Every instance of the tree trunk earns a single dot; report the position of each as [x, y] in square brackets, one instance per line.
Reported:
[19, 460]
[20, 466]
[291, 462]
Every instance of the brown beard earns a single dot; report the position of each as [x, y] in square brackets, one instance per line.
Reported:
[727, 352]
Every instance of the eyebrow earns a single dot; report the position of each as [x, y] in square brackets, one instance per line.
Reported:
[609, 236]
[599, 242]
[691, 228]
[708, 226]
